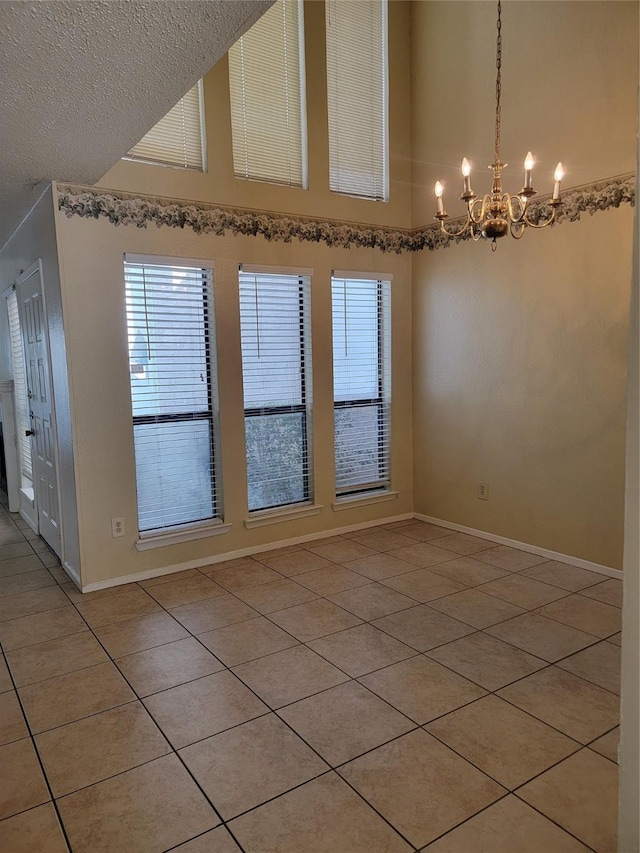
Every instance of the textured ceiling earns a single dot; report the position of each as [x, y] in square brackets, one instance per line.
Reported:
[81, 81]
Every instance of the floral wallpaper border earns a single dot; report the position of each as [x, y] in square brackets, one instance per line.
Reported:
[125, 209]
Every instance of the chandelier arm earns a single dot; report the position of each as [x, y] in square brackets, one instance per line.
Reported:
[458, 233]
[544, 222]
[522, 205]
[482, 204]
[517, 229]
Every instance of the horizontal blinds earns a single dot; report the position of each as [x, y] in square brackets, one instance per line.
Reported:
[361, 369]
[176, 140]
[275, 366]
[266, 81]
[23, 422]
[357, 97]
[173, 391]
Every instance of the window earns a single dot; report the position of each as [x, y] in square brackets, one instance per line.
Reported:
[178, 138]
[357, 94]
[361, 381]
[173, 390]
[275, 364]
[268, 113]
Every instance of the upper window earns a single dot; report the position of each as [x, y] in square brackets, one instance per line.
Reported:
[178, 138]
[275, 366]
[268, 113]
[357, 95]
[361, 380]
[173, 391]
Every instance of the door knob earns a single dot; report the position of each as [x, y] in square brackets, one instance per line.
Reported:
[29, 432]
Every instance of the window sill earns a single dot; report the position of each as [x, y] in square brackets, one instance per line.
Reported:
[277, 516]
[363, 499]
[173, 537]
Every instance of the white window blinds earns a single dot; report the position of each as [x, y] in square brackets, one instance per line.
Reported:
[357, 97]
[361, 377]
[23, 422]
[275, 366]
[268, 113]
[177, 139]
[173, 391]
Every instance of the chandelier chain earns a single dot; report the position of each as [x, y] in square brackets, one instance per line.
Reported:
[498, 81]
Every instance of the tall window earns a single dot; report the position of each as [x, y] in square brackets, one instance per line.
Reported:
[178, 138]
[275, 364]
[361, 378]
[357, 94]
[173, 390]
[268, 112]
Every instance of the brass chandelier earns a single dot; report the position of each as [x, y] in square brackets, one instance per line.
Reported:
[498, 213]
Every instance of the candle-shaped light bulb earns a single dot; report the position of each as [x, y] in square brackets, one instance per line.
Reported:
[466, 172]
[439, 191]
[558, 175]
[528, 167]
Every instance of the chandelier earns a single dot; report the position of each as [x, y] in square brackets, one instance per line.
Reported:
[498, 213]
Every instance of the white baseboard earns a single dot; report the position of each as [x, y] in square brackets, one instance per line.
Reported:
[524, 546]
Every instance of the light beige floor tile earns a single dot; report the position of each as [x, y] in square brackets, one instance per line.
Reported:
[361, 649]
[574, 706]
[563, 575]
[506, 743]
[469, 572]
[184, 575]
[331, 580]
[186, 591]
[323, 816]
[269, 597]
[12, 724]
[30, 630]
[585, 614]
[146, 810]
[20, 565]
[523, 592]
[15, 549]
[540, 636]
[48, 559]
[423, 585]
[599, 664]
[117, 608]
[136, 635]
[421, 688]
[22, 784]
[27, 603]
[381, 540]
[5, 678]
[422, 554]
[55, 657]
[609, 591]
[201, 708]
[463, 544]
[96, 747]
[580, 794]
[345, 721]
[314, 619]
[508, 826]
[250, 764]
[70, 697]
[485, 660]
[245, 641]
[219, 840]
[424, 531]
[608, 744]
[25, 582]
[379, 566]
[422, 627]
[35, 830]
[510, 558]
[420, 786]
[212, 613]
[617, 639]
[240, 577]
[287, 676]
[372, 601]
[78, 597]
[294, 562]
[476, 608]
[341, 550]
[167, 666]
[10, 534]
[58, 574]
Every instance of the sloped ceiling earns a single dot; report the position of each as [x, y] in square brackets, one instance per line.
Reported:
[81, 82]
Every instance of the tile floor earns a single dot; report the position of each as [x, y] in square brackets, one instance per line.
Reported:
[403, 688]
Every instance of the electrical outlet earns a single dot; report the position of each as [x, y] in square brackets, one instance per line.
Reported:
[483, 491]
[117, 527]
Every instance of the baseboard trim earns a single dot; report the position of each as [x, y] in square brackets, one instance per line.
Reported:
[524, 546]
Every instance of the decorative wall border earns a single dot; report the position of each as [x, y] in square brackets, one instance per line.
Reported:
[127, 209]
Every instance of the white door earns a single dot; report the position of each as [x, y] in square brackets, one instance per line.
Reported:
[35, 340]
